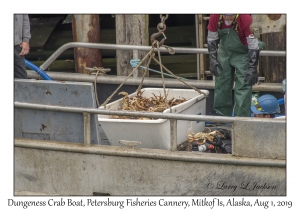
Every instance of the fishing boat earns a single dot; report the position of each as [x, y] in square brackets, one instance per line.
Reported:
[62, 147]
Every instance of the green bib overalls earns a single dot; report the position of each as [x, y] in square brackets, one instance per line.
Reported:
[233, 57]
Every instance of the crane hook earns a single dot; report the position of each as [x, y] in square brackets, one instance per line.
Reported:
[160, 32]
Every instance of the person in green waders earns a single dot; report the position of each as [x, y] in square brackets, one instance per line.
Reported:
[233, 49]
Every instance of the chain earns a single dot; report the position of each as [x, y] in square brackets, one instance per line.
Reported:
[163, 19]
[161, 27]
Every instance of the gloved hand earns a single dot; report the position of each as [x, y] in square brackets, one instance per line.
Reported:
[212, 46]
[251, 75]
[214, 63]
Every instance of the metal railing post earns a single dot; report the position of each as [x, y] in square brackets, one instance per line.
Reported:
[87, 128]
[173, 134]
[135, 57]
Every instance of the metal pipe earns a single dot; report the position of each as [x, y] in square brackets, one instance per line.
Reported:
[173, 135]
[272, 53]
[87, 128]
[153, 82]
[155, 115]
[60, 50]
[198, 41]
[259, 78]
[147, 153]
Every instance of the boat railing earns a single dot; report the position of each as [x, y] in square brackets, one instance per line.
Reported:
[64, 47]
[251, 137]
[156, 115]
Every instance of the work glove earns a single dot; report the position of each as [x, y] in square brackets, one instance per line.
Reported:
[251, 75]
[212, 46]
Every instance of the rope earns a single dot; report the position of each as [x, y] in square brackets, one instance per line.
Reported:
[95, 81]
[171, 50]
[151, 54]
[145, 72]
[199, 91]
[109, 98]
[133, 63]
[161, 70]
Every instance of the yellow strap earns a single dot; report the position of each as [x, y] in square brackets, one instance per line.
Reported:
[234, 22]
[220, 22]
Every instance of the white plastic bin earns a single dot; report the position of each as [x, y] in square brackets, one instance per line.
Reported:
[155, 134]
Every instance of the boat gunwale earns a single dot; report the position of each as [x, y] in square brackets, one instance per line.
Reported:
[158, 154]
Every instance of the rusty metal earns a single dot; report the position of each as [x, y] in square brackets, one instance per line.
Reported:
[161, 27]
[86, 28]
[160, 32]
[274, 17]
[262, 24]
[163, 19]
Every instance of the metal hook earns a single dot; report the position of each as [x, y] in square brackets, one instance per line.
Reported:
[160, 32]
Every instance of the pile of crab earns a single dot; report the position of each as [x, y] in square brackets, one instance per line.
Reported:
[141, 103]
[203, 137]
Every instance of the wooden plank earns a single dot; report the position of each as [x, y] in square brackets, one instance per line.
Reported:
[179, 36]
[131, 30]
[274, 68]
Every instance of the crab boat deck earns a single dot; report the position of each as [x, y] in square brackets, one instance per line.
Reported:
[48, 161]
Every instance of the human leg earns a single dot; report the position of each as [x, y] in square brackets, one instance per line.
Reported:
[19, 64]
[223, 89]
[242, 91]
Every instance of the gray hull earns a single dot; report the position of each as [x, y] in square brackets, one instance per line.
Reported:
[56, 168]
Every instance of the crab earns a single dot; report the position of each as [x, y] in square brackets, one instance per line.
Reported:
[203, 136]
[140, 103]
